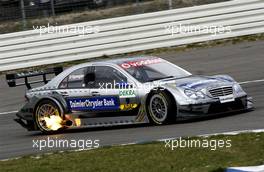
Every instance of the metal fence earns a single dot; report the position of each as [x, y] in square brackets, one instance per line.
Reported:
[24, 10]
[131, 33]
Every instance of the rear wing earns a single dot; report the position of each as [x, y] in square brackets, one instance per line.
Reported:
[13, 77]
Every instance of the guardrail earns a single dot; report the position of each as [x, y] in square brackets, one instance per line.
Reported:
[131, 33]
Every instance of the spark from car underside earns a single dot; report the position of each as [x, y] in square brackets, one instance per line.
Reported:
[54, 122]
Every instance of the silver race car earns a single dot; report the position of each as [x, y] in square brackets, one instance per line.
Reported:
[124, 91]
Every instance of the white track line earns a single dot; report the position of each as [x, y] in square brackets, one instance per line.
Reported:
[234, 132]
[4, 113]
[254, 81]
[245, 82]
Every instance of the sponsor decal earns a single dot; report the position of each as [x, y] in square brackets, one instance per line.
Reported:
[78, 122]
[226, 99]
[198, 84]
[210, 80]
[128, 106]
[127, 93]
[225, 78]
[76, 77]
[140, 63]
[100, 103]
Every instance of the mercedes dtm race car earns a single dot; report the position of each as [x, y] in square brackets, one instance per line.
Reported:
[124, 91]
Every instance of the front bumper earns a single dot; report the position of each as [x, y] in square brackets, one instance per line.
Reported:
[214, 108]
[29, 125]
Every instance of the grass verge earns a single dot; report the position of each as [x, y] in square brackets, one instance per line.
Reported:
[247, 149]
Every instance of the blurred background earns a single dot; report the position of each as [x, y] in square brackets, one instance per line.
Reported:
[18, 15]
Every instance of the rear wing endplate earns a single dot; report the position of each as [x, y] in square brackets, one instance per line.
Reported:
[12, 77]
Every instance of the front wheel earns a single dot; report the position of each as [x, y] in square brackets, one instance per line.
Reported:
[160, 109]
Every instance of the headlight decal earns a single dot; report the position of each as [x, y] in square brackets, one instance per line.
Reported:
[237, 88]
[194, 94]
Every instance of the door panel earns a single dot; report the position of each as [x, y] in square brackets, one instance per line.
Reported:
[96, 89]
[109, 82]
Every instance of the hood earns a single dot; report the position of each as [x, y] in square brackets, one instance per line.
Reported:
[200, 82]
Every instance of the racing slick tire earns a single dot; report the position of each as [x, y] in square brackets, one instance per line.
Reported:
[160, 108]
[46, 108]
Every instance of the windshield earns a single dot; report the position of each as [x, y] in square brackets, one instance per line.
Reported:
[148, 70]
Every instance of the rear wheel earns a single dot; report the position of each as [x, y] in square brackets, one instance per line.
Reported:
[48, 117]
[160, 108]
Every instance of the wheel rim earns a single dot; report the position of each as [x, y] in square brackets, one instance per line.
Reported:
[45, 110]
[158, 108]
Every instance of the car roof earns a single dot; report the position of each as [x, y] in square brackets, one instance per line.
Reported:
[127, 59]
[116, 61]
[112, 62]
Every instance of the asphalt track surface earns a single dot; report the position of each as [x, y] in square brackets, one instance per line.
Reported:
[244, 62]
